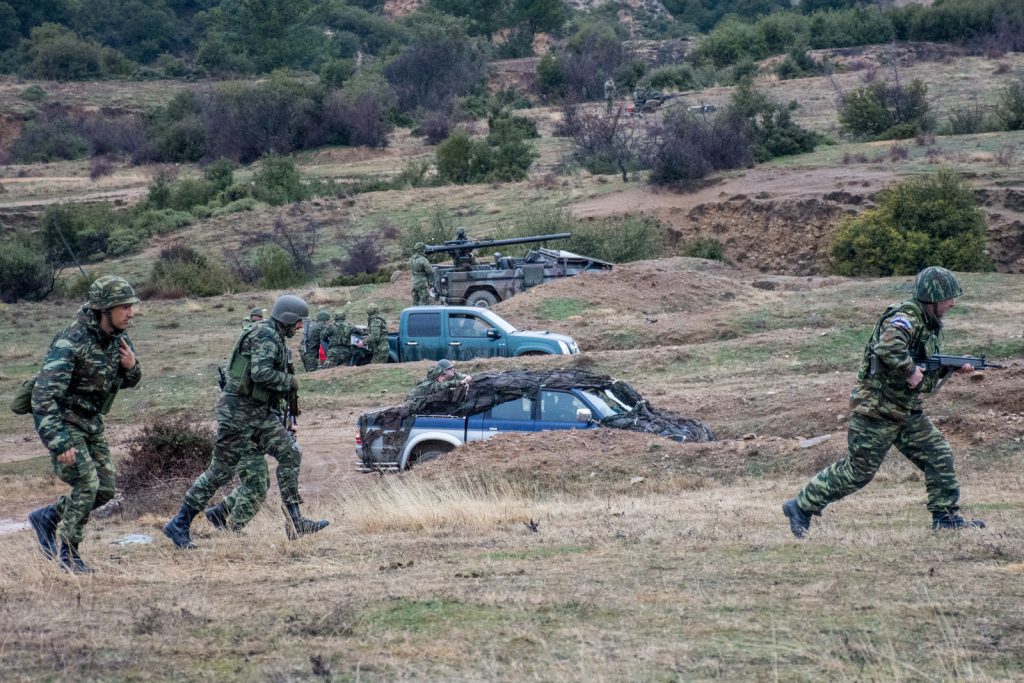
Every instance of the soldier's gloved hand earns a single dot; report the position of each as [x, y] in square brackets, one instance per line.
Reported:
[295, 385]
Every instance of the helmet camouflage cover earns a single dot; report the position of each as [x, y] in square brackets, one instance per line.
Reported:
[419, 248]
[372, 309]
[289, 309]
[323, 315]
[256, 311]
[340, 314]
[110, 291]
[936, 284]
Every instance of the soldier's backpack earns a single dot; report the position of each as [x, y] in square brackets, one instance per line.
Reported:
[21, 404]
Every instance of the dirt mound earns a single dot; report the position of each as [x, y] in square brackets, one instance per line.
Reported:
[605, 461]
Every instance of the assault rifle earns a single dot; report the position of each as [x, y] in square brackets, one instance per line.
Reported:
[940, 361]
[291, 409]
[946, 365]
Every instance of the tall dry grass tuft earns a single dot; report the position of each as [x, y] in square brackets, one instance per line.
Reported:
[408, 503]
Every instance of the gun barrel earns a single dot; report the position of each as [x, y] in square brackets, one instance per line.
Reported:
[486, 244]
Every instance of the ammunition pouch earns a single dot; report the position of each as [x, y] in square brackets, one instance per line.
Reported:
[21, 404]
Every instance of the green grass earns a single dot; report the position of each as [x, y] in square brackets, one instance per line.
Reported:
[562, 308]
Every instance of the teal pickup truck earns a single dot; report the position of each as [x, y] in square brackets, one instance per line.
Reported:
[463, 332]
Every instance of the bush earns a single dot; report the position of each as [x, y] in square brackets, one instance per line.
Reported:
[1010, 109]
[460, 159]
[363, 255]
[182, 271]
[882, 112]
[86, 228]
[966, 121]
[435, 128]
[277, 181]
[770, 128]
[932, 221]
[688, 148]
[51, 137]
[24, 272]
[706, 248]
[277, 268]
[168, 453]
[237, 206]
[161, 221]
[55, 53]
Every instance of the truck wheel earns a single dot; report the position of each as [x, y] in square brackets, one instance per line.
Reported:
[429, 451]
[482, 299]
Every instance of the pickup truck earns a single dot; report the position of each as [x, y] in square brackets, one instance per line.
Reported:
[463, 332]
[430, 436]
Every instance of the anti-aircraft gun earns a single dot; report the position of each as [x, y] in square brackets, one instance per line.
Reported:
[467, 282]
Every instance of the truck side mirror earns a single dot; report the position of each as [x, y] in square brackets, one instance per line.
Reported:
[493, 333]
[584, 415]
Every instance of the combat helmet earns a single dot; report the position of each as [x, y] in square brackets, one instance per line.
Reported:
[256, 311]
[323, 316]
[289, 309]
[372, 309]
[109, 292]
[445, 364]
[420, 248]
[935, 283]
[340, 314]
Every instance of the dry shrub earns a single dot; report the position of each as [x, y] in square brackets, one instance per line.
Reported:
[898, 152]
[162, 460]
[1005, 155]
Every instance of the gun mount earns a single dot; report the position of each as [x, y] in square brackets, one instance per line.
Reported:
[466, 282]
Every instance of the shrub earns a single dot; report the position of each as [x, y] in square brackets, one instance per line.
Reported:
[277, 181]
[688, 148]
[276, 268]
[435, 128]
[24, 272]
[363, 255]
[220, 174]
[189, 192]
[967, 120]
[85, 227]
[51, 137]
[55, 53]
[918, 223]
[167, 453]
[460, 159]
[182, 271]
[770, 128]
[880, 112]
[161, 221]
[1010, 109]
[706, 248]
[237, 206]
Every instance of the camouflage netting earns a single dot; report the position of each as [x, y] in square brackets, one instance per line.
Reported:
[491, 388]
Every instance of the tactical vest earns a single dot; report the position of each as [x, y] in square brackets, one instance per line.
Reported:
[239, 364]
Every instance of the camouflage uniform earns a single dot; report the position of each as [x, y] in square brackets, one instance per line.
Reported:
[888, 412]
[310, 347]
[419, 266]
[75, 389]
[609, 94]
[336, 339]
[249, 413]
[431, 389]
[377, 339]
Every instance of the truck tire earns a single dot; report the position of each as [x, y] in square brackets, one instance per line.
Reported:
[481, 299]
[429, 451]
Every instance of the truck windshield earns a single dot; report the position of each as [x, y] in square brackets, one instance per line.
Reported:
[606, 403]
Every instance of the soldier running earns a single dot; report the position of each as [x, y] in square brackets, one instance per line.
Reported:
[887, 410]
[87, 363]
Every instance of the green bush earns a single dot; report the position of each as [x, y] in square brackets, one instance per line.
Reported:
[160, 221]
[882, 112]
[190, 192]
[706, 248]
[237, 206]
[931, 221]
[460, 159]
[54, 53]
[277, 268]
[182, 271]
[1010, 109]
[770, 127]
[86, 228]
[278, 181]
[49, 139]
[24, 271]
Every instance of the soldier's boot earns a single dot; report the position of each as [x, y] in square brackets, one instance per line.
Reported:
[44, 522]
[70, 560]
[296, 525]
[799, 521]
[950, 519]
[219, 516]
[178, 528]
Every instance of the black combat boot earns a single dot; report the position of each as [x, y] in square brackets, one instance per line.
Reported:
[44, 522]
[799, 521]
[70, 560]
[177, 528]
[219, 516]
[296, 525]
[951, 519]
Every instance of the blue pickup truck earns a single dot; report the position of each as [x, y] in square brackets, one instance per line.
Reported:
[464, 332]
[429, 436]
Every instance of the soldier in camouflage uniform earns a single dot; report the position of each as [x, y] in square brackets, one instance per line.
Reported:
[438, 385]
[87, 363]
[419, 266]
[887, 410]
[336, 339]
[377, 339]
[310, 347]
[255, 315]
[249, 420]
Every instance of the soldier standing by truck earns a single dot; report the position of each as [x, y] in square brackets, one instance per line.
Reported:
[337, 340]
[419, 266]
[85, 366]
[249, 421]
[377, 338]
[309, 349]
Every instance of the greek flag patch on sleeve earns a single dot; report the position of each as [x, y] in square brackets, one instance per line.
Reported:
[902, 323]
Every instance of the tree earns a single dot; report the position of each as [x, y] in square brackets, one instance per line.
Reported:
[879, 111]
